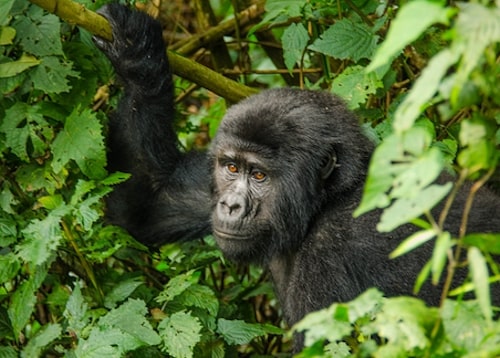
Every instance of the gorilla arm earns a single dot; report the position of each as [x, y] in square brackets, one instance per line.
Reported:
[168, 195]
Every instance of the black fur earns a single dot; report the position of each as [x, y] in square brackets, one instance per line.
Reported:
[262, 189]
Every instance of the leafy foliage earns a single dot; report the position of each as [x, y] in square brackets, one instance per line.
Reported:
[422, 77]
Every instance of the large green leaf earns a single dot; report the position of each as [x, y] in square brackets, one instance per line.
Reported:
[346, 40]
[295, 39]
[241, 332]
[39, 33]
[410, 22]
[81, 140]
[180, 332]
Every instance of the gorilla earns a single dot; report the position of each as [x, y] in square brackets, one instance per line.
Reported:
[277, 187]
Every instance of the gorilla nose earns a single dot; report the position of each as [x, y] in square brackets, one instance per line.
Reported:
[232, 207]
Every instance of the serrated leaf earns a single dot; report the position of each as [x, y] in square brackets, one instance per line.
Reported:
[76, 310]
[180, 333]
[294, 40]
[51, 75]
[81, 141]
[41, 340]
[115, 178]
[176, 286]
[13, 68]
[130, 319]
[23, 122]
[201, 297]
[322, 325]
[279, 11]
[404, 322]
[346, 40]
[39, 33]
[354, 85]
[104, 342]
[42, 237]
[410, 22]
[121, 291]
[241, 332]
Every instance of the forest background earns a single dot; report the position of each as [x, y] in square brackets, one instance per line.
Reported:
[422, 76]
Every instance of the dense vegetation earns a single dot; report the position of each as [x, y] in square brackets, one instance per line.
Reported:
[422, 77]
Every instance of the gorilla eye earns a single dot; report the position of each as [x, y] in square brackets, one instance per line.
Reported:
[259, 176]
[232, 168]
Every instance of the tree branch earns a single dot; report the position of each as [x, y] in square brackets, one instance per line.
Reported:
[77, 14]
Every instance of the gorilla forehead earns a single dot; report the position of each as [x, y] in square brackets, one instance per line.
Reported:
[284, 120]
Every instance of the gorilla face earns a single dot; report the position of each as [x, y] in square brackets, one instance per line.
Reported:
[244, 195]
[271, 161]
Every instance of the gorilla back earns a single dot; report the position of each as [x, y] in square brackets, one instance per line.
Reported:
[278, 186]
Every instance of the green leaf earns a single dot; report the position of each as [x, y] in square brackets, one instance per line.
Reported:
[412, 242]
[346, 40]
[484, 241]
[424, 89]
[21, 306]
[410, 22]
[405, 209]
[466, 329]
[176, 286]
[5, 7]
[115, 178]
[480, 274]
[42, 237]
[240, 332]
[180, 332]
[404, 322]
[121, 291]
[9, 267]
[51, 75]
[201, 297]
[81, 141]
[75, 312]
[280, 11]
[321, 325]
[39, 33]
[295, 39]
[354, 85]
[7, 35]
[130, 319]
[104, 342]
[5, 326]
[440, 256]
[476, 36]
[23, 122]
[8, 352]
[13, 68]
[423, 171]
[41, 340]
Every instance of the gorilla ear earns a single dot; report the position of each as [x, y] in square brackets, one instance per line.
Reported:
[329, 164]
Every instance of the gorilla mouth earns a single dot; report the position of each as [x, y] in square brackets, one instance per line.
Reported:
[232, 235]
